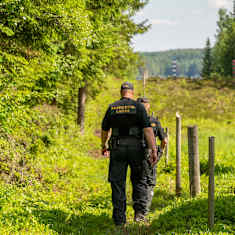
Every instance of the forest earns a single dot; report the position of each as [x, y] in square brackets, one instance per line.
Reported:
[60, 52]
[188, 62]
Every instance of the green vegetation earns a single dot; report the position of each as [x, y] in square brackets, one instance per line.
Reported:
[224, 50]
[54, 180]
[49, 50]
[207, 60]
[189, 62]
[218, 61]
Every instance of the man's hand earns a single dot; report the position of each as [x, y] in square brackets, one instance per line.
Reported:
[164, 143]
[153, 159]
[104, 140]
[105, 152]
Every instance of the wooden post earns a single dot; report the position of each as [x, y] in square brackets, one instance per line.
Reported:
[194, 163]
[144, 80]
[211, 186]
[178, 154]
[167, 147]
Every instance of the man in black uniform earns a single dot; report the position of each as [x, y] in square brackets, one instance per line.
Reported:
[128, 120]
[158, 132]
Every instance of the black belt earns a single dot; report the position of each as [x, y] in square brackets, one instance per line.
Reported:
[128, 141]
[131, 131]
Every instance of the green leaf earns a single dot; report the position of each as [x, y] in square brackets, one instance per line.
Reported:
[6, 30]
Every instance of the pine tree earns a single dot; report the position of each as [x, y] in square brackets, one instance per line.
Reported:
[224, 49]
[207, 60]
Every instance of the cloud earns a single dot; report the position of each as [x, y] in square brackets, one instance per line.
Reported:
[163, 22]
[220, 3]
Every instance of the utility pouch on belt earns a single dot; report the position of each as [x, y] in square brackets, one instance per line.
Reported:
[127, 132]
[113, 143]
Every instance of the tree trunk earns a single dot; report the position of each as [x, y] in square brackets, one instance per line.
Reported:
[81, 108]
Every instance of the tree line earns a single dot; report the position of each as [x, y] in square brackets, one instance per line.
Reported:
[217, 61]
[188, 62]
[59, 52]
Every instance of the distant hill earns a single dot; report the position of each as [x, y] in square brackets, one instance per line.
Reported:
[189, 62]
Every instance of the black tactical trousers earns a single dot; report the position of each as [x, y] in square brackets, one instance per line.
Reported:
[120, 158]
[150, 173]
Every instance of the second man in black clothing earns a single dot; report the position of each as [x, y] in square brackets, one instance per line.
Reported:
[151, 170]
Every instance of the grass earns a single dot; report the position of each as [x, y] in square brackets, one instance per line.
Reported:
[72, 195]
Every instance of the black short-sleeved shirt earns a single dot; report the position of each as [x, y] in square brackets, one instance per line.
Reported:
[157, 129]
[125, 113]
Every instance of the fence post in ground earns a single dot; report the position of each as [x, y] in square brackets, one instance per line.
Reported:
[211, 186]
[145, 77]
[167, 148]
[194, 163]
[178, 154]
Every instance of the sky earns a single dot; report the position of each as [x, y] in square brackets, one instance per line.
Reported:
[179, 24]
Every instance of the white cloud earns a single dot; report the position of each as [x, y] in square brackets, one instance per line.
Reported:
[162, 22]
[221, 3]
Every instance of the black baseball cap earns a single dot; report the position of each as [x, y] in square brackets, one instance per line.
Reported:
[142, 100]
[127, 85]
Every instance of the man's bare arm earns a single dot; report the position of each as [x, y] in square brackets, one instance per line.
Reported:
[163, 143]
[149, 135]
[104, 138]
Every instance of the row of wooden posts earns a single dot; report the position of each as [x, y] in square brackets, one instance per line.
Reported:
[194, 165]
